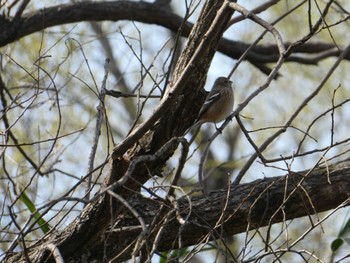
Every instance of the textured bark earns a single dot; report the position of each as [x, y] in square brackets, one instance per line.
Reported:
[249, 206]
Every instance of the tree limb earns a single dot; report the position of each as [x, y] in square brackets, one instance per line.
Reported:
[249, 206]
[149, 13]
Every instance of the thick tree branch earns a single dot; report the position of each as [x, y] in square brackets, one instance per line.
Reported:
[249, 206]
[149, 13]
[87, 11]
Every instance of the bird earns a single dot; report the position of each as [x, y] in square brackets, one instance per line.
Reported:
[218, 104]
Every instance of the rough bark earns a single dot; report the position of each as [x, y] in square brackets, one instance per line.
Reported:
[249, 206]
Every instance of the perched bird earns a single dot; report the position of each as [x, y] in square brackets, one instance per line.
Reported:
[219, 102]
[217, 106]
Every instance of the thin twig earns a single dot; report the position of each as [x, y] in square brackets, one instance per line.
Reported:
[120, 94]
[144, 227]
[256, 10]
[100, 115]
[294, 115]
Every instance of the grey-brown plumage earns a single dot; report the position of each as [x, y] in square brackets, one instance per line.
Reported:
[219, 102]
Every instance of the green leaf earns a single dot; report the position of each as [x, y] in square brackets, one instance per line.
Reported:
[336, 244]
[341, 239]
[30, 205]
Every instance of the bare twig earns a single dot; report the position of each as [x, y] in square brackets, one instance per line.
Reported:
[263, 23]
[144, 232]
[294, 115]
[119, 94]
[256, 11]
[100, 116]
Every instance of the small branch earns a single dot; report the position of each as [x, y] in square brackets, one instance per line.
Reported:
[119, 94]
[100, 115]
[261, 22]
[256, 10]
[147, 158]
[144, 232]
[55, 252]
[181, 164]
[20, 11]
[250, 140]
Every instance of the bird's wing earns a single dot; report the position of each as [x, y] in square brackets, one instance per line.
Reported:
[209, 101]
